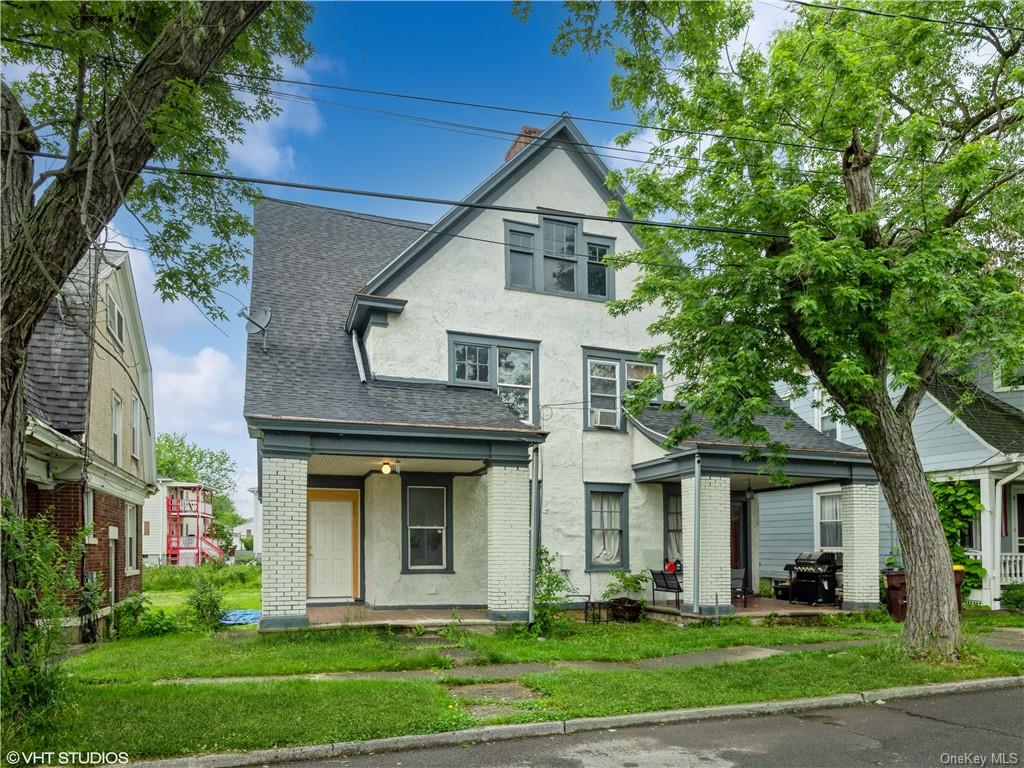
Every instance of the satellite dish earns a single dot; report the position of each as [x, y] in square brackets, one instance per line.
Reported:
[256, 323]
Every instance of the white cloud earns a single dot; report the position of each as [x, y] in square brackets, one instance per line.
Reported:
[265, 150]
[200, 395]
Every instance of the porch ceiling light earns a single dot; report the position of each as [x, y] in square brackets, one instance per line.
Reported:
[385, 468]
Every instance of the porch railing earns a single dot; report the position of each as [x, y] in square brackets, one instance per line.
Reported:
[1011, 570]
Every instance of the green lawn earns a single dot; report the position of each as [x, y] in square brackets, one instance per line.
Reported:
[155, 721]
[629, 642]
[240, 597]
[812, 673]
[242, 652]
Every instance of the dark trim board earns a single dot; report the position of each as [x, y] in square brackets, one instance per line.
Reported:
[728, 460]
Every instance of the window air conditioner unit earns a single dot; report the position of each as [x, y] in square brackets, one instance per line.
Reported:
[604, 419]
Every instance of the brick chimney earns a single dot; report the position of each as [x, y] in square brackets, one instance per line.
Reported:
[526, 134]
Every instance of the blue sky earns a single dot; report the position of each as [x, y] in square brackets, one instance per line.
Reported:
[468, 51]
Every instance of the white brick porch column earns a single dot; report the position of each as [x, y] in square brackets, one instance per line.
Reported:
[284, 543]
[705, 541]
[860, 546]
[508, 543]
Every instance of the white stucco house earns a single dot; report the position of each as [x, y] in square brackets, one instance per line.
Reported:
[432, 401]
[965, 430]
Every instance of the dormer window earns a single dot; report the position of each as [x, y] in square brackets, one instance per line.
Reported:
[569, 262]
[824, 422]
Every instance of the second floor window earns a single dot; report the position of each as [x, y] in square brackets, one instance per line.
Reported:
[506, 365]
[607, 375]
[604, 393]
[115, 319]
[825, 422]
[136, 434]
[116, 425]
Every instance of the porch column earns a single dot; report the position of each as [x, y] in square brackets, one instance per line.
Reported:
[284, 543]
[707, 579]
[991, 542]
[508, 543]
[860, 546]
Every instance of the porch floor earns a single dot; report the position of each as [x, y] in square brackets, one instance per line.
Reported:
[359, 615]
[759, 607]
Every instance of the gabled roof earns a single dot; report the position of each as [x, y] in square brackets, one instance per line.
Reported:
[57, 371]
[308, 264]
[789, 429]
[997, 423]
[562, 133]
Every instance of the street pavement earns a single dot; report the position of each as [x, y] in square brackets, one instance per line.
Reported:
[983, 729]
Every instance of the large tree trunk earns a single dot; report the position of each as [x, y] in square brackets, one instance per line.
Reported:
[42, 243]
[933, 624]
[15, 198]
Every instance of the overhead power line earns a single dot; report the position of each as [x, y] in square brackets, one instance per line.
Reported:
[439, 200]
[911, 16]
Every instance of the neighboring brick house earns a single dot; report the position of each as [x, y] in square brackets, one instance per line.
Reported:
[431, 401]
[90, 442]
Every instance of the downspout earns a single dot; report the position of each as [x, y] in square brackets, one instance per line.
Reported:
[1000, 484]
[696, 533]
[534, 526]
[358, 352]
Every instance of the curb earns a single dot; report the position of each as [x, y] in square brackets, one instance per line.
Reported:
[578, 725]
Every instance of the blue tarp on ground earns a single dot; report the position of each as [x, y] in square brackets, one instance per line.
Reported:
[240, 617]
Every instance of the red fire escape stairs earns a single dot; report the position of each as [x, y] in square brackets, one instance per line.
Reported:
[196, 548]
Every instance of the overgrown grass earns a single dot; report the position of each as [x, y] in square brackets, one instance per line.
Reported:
[629, 642]
[155, 721]
[812, 673]
[247, 653]
[173, 600]
[176, 578]
[986, 621]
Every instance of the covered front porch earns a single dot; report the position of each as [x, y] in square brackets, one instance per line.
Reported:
[369, 528]
[714, 493]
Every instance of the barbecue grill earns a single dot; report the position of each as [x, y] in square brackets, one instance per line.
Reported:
[813, 577]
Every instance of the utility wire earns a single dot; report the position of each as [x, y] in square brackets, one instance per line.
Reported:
[438, 200]
[911, 16]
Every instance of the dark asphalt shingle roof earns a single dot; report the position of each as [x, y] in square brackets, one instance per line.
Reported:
[789, 429]
[57, 371]
[997, 423]
[308, 262]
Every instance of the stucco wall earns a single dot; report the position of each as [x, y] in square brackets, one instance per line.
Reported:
[386, 585]
[462, 288]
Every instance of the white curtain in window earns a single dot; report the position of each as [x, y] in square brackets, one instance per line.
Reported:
[606, 528]
[831, 520]
[674, 529]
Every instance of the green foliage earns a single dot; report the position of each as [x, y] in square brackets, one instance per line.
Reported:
[196, 228]
[204, 604]
[923, 278]
[127, 614]
[1012, 598]
[247, 543]
[627, 584]
[172, 578]
[959, 504]
[764, 588]
[47, 569]
[549, 593]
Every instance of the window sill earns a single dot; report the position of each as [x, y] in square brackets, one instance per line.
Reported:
[606, 568]
[132, 571]
[417, 571]
[561, 295]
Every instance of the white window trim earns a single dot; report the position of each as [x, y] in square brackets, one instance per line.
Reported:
[89, 514]
[590, 391]
[997, 382]
[824, 490]
[136, 414]
[131, 535]
[115, 318]
[409, 528]
[821, 401]
[117, 426]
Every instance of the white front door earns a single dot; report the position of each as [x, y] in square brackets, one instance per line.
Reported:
[331, 549]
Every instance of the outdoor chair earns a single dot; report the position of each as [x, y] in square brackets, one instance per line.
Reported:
[739, 576]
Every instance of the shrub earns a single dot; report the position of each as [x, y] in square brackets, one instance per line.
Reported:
[204, 604]
[549, 593]
[126, 615]
[47, 569]
[625, 583]
[764, 588]
[959, 504]
[156, 622]
[1012, 598]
